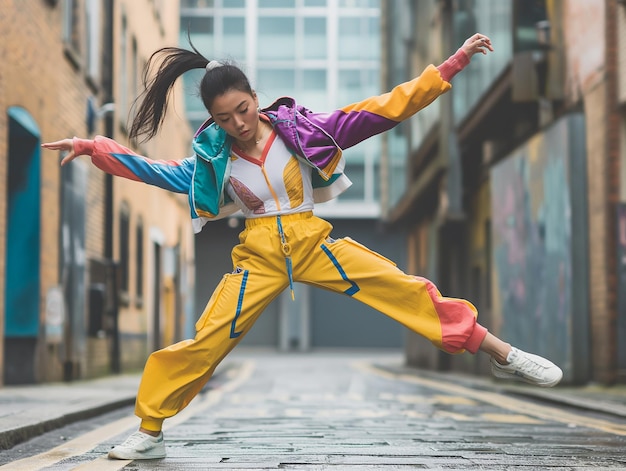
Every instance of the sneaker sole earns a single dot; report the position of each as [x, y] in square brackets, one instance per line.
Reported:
[501, 374]
[117, 455]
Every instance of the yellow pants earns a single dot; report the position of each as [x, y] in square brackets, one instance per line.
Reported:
[174, 375]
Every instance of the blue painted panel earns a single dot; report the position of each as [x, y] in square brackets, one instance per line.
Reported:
[23, 227]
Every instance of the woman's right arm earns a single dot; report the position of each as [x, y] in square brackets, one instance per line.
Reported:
[113, 158]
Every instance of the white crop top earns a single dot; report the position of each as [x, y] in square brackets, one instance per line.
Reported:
[277, 183]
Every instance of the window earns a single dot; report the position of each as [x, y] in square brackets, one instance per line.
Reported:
[139, 263]
[313, 92]
[314, 38]
[276, 38]
[356, 85]
[359, 38]
[134, 74]
[71, 27]
[202, 31]
[235, 37]
[123, 71]
[274, 83]
[359, 3]
[356, 173]
[277, 3]
[233, 4]
[124, 232]
[93, 14]
[196, 3]
[528, 19]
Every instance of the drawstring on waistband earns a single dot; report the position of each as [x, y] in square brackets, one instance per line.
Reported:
[284, 245]
[286, 248]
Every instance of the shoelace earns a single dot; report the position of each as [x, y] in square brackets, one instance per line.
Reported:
[530, 365]
[135, 438]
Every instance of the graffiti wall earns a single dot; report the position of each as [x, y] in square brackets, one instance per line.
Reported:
[535, 229]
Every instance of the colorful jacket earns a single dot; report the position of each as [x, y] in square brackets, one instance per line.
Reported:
[316, 138]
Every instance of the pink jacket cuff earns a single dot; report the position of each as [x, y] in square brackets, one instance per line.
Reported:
[453, 65]
[83, 146]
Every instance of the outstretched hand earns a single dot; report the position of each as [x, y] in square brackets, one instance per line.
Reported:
[66, 145]
[477, 43]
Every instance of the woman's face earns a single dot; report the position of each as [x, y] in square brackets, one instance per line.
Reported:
[237, 113]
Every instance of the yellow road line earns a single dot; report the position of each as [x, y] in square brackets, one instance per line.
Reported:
[90, 440]
[74, 447]
[500, 400]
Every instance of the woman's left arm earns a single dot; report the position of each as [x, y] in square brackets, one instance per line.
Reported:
[359, 121]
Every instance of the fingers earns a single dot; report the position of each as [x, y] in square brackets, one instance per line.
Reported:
[63, 144]
[68, 158]
[482, 43]
[477, 43]
[66, 145]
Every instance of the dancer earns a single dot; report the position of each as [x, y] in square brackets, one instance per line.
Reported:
[274, 164]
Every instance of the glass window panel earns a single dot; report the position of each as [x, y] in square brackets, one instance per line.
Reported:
[276, 38]
[372, 39]
[274, 83]
[201, 30]
[528, 15]
[93, 39]
[376, 194]
[277, 3]
[481, 15]
[314, 38]
[234, 4]
[356, 85]
[191, 88]
[314, 3]
[314, 79]
[71, 32]
[349, 38]
[359, 38]
[359, 3]
[397, 146]
[356, 173]
[139, 261]
[235, 38]
[198, 24]
[314, 93]
[196, 3]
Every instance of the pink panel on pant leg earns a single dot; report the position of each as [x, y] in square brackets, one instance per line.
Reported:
[459, 330]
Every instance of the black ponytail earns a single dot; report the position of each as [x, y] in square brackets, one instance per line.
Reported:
[174, 62]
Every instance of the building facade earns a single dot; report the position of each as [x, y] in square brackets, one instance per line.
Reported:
[326, 54]
[514, 180]
[95, 272]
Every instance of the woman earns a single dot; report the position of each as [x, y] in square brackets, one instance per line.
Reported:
[273, 165]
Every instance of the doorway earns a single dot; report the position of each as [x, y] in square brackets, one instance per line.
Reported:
[22, 282]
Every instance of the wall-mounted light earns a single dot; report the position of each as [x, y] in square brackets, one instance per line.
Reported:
[95, 113]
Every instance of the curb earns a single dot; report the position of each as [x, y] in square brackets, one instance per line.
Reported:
[14, 436]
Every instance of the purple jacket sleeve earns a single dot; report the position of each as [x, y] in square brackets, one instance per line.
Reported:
[359, 121]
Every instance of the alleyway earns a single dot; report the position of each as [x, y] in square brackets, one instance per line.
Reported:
[351, 411]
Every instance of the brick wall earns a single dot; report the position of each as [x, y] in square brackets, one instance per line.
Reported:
[41, 78]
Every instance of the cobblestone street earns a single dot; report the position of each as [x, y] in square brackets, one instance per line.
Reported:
[326, 411]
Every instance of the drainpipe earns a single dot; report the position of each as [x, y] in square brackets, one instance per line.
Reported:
[109, 123]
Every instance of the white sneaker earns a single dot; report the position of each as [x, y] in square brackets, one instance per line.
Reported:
[139, 446]
[529, 368]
